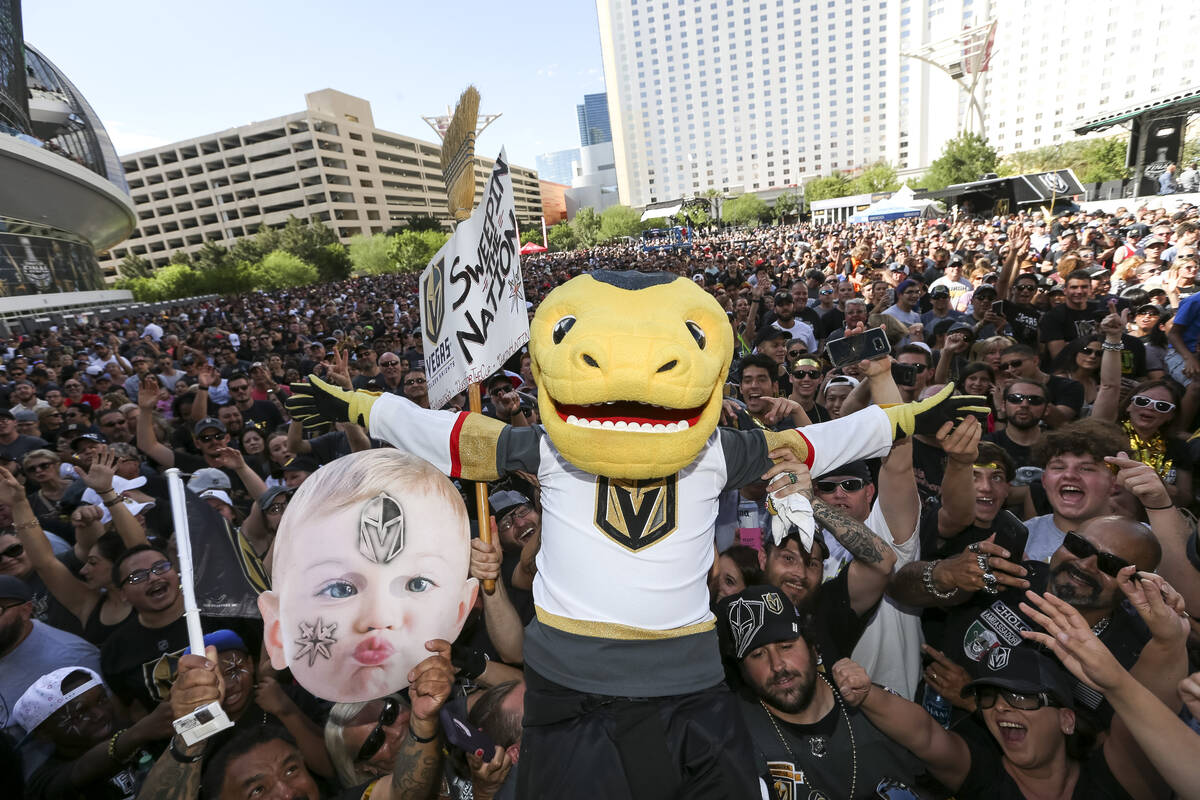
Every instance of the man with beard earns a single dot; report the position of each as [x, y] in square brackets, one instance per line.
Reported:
[763, 407]
[1083, 573]
[786, 320]
[1025, 404]
[508, 609]
[1064, 396]
[809, 741]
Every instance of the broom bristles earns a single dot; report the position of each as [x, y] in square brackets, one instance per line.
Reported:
[458, 155]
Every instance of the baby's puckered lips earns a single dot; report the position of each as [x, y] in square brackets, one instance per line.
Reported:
[373, 651]
[623, 415]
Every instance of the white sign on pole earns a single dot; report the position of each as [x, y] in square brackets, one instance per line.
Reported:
[473, 315]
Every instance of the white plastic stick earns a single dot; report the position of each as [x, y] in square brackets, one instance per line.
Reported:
[183, 545]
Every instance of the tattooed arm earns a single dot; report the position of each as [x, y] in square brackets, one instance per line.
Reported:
[873, 557]
[171, 780]
[417, 770]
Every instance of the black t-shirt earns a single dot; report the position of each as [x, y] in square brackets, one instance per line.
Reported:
[1022, 455]
[989, 780]
[237, 490]
[1023, 320]
[1063, 323]
[17, 448]
[814, 762]
[140, 663]
[1062, 391]
[263, 415]
[929, 468]
[52, 781]
[834, 627]
[831, 321]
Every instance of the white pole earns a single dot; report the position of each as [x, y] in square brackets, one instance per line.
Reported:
[183, 545]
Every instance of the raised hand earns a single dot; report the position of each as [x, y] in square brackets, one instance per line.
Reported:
[230, 458]
[318, 404]
[853, 682]
[99, 476]
[947, 678]
[1069, 636]
[430, 685]
[961, 442]
[926, 417]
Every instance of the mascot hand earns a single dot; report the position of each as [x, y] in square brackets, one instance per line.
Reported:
[318, 404]
[793, 510]
[927, 416]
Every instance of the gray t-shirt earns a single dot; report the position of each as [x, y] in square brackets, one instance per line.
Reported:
[1044, 538]
[44, 650]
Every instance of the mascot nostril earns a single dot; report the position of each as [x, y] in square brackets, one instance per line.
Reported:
[670, 365]
[591, 362]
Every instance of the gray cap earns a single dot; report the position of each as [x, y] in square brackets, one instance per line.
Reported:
[25, 415]
[268, 497]
[506, 500]
[208, 478]
[12, 588]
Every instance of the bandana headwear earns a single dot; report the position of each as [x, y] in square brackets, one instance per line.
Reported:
[46, 696]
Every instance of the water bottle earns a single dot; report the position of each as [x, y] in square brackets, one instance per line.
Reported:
[749, 533]
[938, 707]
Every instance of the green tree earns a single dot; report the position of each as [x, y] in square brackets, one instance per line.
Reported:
[746, 209]
[370, 255]
[1103, 160]
[878, 177]
[424, 222]
[210, 256]
[282, 270]
[586, 226]
[179, 280]
[134, 266]
[827, 187]
[966, 157]
[787, 206]
[532, 234]
[618, 221]
[411, 251]
[562, 238]
[658, 222]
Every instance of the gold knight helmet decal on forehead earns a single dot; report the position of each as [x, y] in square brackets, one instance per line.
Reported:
[629, 368]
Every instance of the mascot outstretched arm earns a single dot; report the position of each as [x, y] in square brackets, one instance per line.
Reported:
[630, 368]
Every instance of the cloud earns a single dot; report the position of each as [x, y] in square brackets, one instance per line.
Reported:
[130, 141]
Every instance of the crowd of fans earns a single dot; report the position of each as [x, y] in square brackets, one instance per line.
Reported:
[906, 659]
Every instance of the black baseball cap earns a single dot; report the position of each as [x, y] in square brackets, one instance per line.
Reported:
[301, 464]
[784, 297]
[75, 431]
[1024, 670]
[939, 291]
[754, 617]
[206, 423]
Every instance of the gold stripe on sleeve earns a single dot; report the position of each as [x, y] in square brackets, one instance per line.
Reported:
[477, 443]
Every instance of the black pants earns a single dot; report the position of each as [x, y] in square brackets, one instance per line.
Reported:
[581, 746]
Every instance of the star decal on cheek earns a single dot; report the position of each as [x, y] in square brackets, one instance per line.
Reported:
[315, 640]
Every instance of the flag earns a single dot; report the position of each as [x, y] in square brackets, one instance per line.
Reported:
[473, 315]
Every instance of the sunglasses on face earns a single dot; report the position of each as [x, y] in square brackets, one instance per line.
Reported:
[210, 437]
[806, 373]
[797, 353]
[1094, 352]
[39, 467]
[827, 291]
[414, 381]
[1161, 406]
[140, 575]
[1081, 548]
[847, 484]
[1012, 364]
[986, 697]
[377, 736]
[1016, 399]
[13, 551]
[276, 508]
[389, 363]
[1025, 287]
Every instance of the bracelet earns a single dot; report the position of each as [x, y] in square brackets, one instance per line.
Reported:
[115, 501]
[112, 745]
[927, 579]
[30, 524]
[1159, 508]
[183, 758]
[1107, 345]
[419, 739]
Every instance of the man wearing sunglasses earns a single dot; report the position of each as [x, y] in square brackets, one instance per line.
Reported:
[138, 660]
[30, 649]
[1025, 405]
[1064, 396]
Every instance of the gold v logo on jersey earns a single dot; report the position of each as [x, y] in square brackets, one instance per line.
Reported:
[636, 514]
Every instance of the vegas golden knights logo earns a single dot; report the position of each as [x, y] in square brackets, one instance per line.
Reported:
[636, 514]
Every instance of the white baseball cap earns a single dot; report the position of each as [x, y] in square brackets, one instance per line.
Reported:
[46, 696]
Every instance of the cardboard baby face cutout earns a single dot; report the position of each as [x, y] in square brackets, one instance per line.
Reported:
[371, 562]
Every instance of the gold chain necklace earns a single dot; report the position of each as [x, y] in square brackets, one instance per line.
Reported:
[817, 743]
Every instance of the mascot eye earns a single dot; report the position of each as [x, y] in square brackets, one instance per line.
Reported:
[697, 333]
[561, 327]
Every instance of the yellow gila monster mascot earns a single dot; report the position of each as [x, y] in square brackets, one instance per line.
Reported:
[624, 692]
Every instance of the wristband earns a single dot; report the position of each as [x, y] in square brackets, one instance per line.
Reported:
[1159, 508]
[927, 580]
[1107, 345]
[31, 524]
[115, 501]
[112, 745]
[183, 758]
[420, 739]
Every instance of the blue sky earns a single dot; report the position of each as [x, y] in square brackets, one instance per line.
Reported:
[164, 70]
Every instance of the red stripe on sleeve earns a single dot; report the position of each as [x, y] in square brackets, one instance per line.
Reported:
[455, 461]
[812, 454]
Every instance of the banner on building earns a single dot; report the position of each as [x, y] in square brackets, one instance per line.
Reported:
[473, 315]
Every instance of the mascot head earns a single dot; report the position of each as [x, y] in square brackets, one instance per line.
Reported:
[629, 368]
